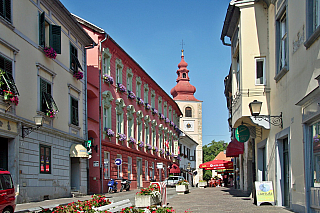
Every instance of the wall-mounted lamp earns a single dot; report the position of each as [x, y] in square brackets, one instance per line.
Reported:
[255, 108]
[27, 130]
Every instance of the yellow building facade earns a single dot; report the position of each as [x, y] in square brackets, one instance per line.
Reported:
[43, 74]
[275, 61]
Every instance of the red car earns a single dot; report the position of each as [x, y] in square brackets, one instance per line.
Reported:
[7, 193]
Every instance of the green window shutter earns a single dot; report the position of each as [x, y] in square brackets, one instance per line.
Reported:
[42, 29]
[55, 38]
[45, 88]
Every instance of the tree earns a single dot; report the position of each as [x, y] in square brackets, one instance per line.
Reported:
[210, 151]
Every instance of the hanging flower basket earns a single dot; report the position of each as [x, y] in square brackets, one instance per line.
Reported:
[148, 106]
[50, 52]
[148, 146]
[108, 79]
[154, 111]
[51, 113]
[121, 137]
[131, 95]
[121, 87]
[109, 132]
[132, 140]
[161, 116]
[140, 101]
[161, 151]
[140, 144]
[78, 75]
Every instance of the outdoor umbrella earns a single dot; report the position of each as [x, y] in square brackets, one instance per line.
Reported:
[216, 165]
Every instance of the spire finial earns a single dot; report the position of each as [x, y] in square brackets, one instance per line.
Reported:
[182, 47]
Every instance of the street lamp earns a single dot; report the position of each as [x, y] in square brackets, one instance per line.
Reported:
[38, 120]
[255, 108]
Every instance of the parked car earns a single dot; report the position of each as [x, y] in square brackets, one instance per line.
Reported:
[173, 180]
[7, 193]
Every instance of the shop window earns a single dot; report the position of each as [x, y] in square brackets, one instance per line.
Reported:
[49, 35]
[45, 159]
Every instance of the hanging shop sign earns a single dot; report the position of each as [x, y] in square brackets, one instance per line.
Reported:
[242, 133]
[264, 192]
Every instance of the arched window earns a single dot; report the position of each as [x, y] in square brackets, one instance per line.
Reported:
[188, 112]
[184, 75]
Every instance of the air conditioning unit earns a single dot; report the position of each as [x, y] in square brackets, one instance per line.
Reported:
[191, 158]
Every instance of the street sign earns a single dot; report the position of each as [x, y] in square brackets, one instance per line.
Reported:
[242, 133]
[95, 163]
[159, 165]
[118, 161]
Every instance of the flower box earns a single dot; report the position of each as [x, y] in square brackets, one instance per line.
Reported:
[50, 52]
[78, 75]
[143, 201]
[202, 184]
[121, 87]
[182, 189]
[108, 79]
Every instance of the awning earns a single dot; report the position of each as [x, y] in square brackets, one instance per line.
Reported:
[175, 169]
[235, 148]
[78, 151]
[216, 165]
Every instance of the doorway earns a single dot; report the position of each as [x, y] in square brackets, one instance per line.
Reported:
[4, 153]
[285, 170]
[75, 174]
[139, 172]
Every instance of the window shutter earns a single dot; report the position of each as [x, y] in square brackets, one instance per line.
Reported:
[8, 10]
[55, 38]
[9, 83]
[42, 29]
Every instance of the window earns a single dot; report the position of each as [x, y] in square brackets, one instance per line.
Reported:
[119, 123]
[74, 62]
[165, 112]
[6, 183]
[159, 104]
[146, 170]
[313, 21]
[140, 131]
[5, 10]
[138, 87]
[146, 93]
[154, 137]
[170, 113]
[160, 140]
[238, 74]
[106, 165]
[153, 168]
[188, 112]
[7, 81]
[147, 134]
[107, 98]
[119, 67]
[47, 104]
[153, 97]
[282, 47]
[260, 71]
[184, 75]
[106, 61]
[119, 170]
[74, 112]
[49, 35]
[119, 115]
[130, 127]
[315, 153]
[45, 159]
[129, 79]
[129, 168]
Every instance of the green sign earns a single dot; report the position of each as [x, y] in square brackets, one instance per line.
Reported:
[88, 143]
[242, 133]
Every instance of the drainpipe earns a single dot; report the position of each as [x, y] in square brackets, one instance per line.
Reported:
[100, 146]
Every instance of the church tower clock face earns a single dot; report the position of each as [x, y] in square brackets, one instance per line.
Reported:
[188, 125]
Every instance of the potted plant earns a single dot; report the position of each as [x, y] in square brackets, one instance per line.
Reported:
[140, 144]
[154, 111]
[148, 146]
[107, 78]
[131, 95]
[109, 132]
[155, 149]
[50, 52]
[148, 106]
[148, 196]
[316, 138]
[140, 101]
[121, 137]
[161, 151]
[167, 120]
[182, 187]
[78, 75]
[161, 116]
[131, 140]
[202, 183]
[51, 113]
[121, 87]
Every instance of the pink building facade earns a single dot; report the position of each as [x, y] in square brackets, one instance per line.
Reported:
[129, 117]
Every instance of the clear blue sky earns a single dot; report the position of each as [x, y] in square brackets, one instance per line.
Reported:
[151, 32]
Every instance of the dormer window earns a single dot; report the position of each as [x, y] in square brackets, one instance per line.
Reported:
[184, 75]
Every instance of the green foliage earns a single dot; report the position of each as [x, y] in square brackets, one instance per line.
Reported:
[210, 151]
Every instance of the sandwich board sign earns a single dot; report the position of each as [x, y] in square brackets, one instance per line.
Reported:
[264, 192]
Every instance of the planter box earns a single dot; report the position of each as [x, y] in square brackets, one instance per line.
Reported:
[143, 201]
[202, 184]
[181, 189]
